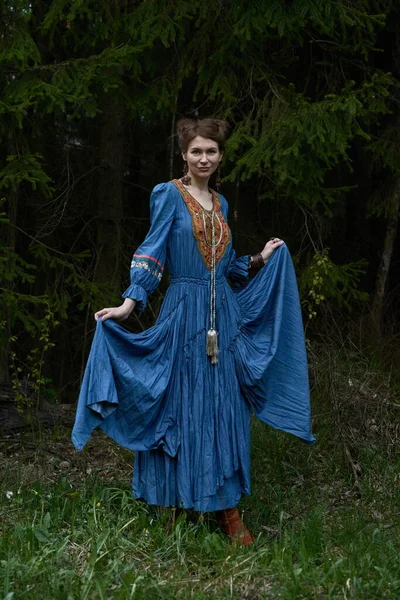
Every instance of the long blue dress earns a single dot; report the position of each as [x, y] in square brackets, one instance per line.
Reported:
[157, 392]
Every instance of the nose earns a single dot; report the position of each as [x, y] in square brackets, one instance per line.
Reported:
[204, 158]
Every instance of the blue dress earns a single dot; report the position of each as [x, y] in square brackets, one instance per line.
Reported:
[157, 392]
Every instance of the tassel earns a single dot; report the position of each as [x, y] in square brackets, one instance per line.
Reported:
[212, 339]
[212, 346]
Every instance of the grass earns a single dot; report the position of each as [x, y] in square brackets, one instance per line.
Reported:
[326, 517]
[319, 535]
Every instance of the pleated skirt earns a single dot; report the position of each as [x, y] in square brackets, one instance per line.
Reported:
[157, 392]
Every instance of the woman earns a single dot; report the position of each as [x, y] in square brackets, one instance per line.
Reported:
[180, 392]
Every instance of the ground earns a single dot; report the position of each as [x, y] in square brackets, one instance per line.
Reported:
[71, 529]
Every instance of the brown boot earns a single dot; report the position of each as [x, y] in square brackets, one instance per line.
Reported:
[230, 522]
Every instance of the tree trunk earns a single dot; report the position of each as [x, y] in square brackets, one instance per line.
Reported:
[9, 240]
[109, 194]
[384, 266]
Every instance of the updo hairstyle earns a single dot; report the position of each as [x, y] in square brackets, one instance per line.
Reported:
[213, 129]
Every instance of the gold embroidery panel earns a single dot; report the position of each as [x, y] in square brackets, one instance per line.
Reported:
[196, 212]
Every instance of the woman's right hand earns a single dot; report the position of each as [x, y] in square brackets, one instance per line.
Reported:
[118, 313]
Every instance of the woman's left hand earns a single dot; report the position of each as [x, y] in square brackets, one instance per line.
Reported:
[270, 246]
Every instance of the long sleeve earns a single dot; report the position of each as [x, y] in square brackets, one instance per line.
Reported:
[147, 265]
[238, 269]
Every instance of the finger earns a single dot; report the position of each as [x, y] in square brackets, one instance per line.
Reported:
[111, 314]
[272, 244]
[100, 313]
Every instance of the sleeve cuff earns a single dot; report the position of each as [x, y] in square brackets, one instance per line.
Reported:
[137, 293]
[241, 268]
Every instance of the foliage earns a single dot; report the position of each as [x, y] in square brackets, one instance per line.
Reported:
[325, 516]
[14, 268]
[36, 315]
[25, 168]
[79, 533]
[298, 141]
[28, 380]
[324, 280]
[305, 85]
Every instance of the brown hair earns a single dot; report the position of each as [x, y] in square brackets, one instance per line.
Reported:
[213, 129]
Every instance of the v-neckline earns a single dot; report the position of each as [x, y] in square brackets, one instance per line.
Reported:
[198, 224]
[214, 196]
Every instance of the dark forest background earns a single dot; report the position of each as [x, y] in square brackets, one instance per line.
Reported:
[90, 96]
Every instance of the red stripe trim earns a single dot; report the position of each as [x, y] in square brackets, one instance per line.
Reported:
[150, 257]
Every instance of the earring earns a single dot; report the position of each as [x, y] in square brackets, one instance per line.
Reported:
[186, 180]
[218, 180]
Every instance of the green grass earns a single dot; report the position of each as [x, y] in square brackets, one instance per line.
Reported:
[321, 532]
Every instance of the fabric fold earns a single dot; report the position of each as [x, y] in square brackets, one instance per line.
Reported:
[138, 293]
[269, 348]
[147, 265]
[156, 391]
[126, 379]
[238, 270]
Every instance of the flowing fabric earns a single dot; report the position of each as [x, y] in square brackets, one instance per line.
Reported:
[157, 392]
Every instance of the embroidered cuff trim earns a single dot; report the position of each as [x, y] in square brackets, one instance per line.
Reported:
[144, 263]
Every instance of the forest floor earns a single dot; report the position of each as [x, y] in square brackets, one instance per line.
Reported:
[326, 518]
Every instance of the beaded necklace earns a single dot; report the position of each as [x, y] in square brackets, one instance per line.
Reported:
[212, 339]
[211, 250]
[196, 212]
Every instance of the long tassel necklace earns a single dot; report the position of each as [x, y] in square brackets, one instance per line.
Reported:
[212, 336]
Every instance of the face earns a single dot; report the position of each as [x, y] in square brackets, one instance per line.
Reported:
[203, 157]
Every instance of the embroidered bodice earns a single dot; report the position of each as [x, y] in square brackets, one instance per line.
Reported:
[200, 218]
